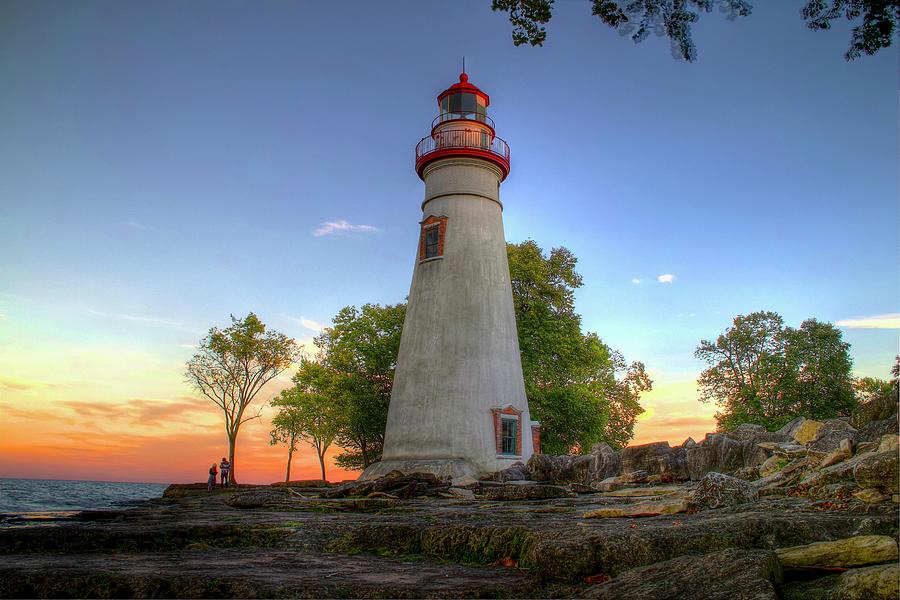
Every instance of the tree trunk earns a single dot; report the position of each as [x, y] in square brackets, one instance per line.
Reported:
[287, 476]
[322, 464]
[231, 444]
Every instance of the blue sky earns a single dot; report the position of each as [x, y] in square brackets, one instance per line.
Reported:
[165, 164]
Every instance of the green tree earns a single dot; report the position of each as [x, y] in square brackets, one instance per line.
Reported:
[764, 373]
[877, 20]
[305, 414]
[580, 390]
[819, 376]
[233, 364]
[355, 368]
[286, 426]
[877, 398]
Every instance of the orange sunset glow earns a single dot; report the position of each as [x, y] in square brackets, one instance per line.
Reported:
[54, 430]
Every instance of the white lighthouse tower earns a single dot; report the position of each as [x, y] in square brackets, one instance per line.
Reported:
[458, 406]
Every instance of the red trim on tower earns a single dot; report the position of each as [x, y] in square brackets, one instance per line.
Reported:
[536, 438]
[434, 155]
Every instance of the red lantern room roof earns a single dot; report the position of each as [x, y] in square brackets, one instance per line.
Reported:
[464, 87]
[463, 129]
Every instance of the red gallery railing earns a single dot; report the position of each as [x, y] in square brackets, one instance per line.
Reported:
[463, 139]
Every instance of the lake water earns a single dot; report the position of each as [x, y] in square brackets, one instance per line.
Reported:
[35, 500]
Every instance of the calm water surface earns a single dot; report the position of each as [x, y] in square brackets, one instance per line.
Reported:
[36, 500]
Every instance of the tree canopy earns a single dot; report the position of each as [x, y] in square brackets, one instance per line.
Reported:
[580, 390]
[305, 414]
[355, 369]
[233, 364]
[765, 373]
[876, 20]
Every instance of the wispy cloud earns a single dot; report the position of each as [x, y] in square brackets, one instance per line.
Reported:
[666, 278]
[342, 226]
[95, 409]
[138, 226]
[310, 324]
[188, 346]
[157, 412]
[157, 321]
[15, 384]
[636, 280]
[889, 321]
[135, 318]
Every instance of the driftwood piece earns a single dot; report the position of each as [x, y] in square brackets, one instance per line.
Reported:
[395, 484]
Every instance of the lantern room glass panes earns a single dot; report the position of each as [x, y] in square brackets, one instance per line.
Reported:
[463, 106]
[509, 436]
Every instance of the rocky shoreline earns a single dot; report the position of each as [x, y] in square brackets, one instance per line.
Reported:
[804, 513]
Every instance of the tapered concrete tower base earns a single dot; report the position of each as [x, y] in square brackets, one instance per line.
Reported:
[457, 469]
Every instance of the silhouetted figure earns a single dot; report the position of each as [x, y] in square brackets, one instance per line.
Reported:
[211, 481]
[224, 469]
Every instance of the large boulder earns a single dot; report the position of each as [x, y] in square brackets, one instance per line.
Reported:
[790, 427]
[830, 434]
[561, 470]
[889, 443]
[722, 454]
[724, 575]
[856, 551]
[878, 470]
[606, 461]
[674, 466]
[756, 433]
[873, 430]
[515, 472]
[806, 431]
[717, 490]
[879, 582]
[871, 583]
[644, 457]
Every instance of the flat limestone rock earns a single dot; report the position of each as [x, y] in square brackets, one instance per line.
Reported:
[639, 509]
[725, 575]
[871, 495]
[879, 582]
[644, 491]
[848, 552]
[522, 491]
[262, 573]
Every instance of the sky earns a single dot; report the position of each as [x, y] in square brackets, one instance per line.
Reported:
[164, 165]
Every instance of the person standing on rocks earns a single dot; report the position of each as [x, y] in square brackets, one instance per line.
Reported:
[211, 480]
[224, 469]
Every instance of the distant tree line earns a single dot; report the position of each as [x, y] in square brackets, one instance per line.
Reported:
[762, 372]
